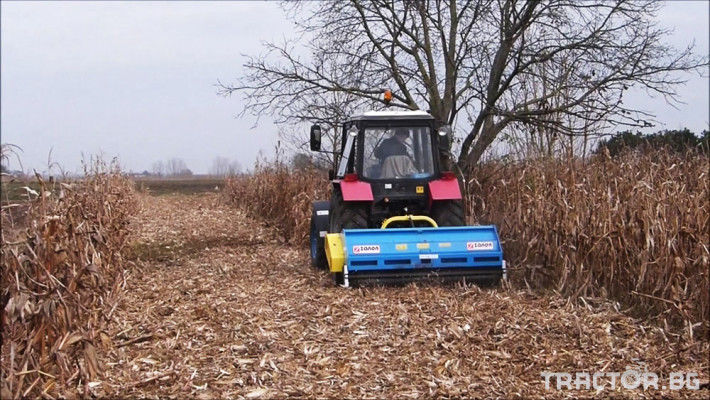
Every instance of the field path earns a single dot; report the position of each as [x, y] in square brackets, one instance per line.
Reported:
[218, 307]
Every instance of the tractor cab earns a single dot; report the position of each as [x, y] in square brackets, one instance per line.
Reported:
[390, 160]
[395, 146]
[388, 145]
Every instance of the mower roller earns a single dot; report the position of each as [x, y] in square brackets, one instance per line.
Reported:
[394, 216]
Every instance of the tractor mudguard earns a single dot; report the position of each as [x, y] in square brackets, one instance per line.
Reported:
[320, 217]
[444, 189]
[356, 191]
[319, 228]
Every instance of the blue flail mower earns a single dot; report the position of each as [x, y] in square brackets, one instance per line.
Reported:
[470, 253]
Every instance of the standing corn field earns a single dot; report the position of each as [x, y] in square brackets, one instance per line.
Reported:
[278, 196]
[61, 273]
[633, 228]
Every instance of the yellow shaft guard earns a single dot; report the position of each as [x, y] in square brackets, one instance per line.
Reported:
[334, 251]
[407, 218]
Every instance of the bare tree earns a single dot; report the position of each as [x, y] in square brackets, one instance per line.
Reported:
[551, 138]
[329, 110]
[475, 56]
[158, 168]
[301, 161]
[177, 167]
[222, 166]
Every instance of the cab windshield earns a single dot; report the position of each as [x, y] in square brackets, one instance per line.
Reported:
[397, 153]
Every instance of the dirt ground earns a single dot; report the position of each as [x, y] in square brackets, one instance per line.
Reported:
[219, 307]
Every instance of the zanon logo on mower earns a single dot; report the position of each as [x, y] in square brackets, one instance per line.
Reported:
[367, 249]
[473, 246]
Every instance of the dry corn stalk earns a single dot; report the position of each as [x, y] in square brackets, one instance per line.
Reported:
[634, 228]
[59, 280]
[279, 197]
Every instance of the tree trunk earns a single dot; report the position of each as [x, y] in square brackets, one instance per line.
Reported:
[489, 132]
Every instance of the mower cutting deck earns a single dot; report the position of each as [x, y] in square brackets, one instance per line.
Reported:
[396, 255]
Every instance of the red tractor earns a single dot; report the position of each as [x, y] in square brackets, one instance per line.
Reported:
[388, 173]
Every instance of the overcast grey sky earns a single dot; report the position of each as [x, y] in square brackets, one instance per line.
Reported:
[136, 79]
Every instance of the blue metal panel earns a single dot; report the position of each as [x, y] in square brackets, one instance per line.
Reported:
[422, 248]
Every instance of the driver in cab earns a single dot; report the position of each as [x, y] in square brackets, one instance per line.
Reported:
[393, 156]
[393, 146]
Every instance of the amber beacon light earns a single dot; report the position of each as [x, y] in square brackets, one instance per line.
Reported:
[388, 96]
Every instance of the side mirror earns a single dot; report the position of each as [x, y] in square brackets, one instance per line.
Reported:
[315, 138]
[445, 137]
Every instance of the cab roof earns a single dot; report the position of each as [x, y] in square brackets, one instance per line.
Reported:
[391, 115]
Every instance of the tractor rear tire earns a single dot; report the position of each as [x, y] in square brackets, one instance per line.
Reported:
[448, 213]
[346, 215]
[318, 259]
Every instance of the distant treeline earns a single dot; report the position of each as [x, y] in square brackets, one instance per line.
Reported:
[673, 140]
